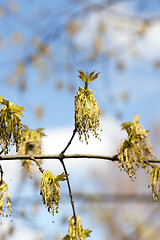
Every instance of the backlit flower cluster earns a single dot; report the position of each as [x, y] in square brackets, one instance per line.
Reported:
[86, 109]
[4, 199]
[155, 182]
[10, 125]
[49, 189]
[76, 231]
[136, 149]
[31, 144]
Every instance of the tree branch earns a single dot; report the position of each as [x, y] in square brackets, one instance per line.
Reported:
[69, 156]
[70, 141]
[69, 188]
[40, 168]
[61, 158]
[1, 172]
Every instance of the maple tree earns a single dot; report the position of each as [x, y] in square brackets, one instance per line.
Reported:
[134, 152]
[44, 44]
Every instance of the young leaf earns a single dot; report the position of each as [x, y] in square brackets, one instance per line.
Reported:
[91, 74]
[93, 77]
[136, 118]
[126, 125]
[87, 232]
[81, 75]
[1, 99]
[62, 177]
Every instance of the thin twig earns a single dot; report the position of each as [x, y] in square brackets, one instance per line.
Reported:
[61, 158]
[69, 187]
[74, 132]
[40, 168]
[1, 171]
[1, 152]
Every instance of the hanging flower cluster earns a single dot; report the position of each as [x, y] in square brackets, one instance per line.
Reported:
[155, 182]
[76, 231]
[49, 189]
[136, 149]
[31, 144]
[86, 108]
[4, 195]
[10, 125]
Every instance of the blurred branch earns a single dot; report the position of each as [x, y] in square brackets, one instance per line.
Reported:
[96, 197]
[114, 197]
[140, 226]
[52, 34]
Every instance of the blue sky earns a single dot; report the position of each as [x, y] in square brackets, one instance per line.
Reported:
[139, 79]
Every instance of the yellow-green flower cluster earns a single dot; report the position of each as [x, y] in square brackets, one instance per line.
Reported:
[31, 144]
[86, 109]
[4, 191]
[49, 189]
[136, 149]
[10, 125]
[155, 182]
[76, 231]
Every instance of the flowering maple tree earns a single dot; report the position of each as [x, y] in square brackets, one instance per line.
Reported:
[135, 151]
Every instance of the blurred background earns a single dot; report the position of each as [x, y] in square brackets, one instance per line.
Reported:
[42, 45]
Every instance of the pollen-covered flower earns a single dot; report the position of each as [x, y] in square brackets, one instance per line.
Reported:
[4, 197]
[155, 182]
[31, 144]
[76, 231]
[136, 149]
[10, 125]
[49, 189]
[86, 109]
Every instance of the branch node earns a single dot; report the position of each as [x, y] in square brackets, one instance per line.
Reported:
[115, 158]
[61, 157]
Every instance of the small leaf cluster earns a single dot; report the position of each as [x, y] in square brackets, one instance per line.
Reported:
[86, 109]
[136, 149]
[155, 182]
[10, 125]
[76, 231]
[31, 144]
[88, 77]
[4, 194]
[49, 189]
